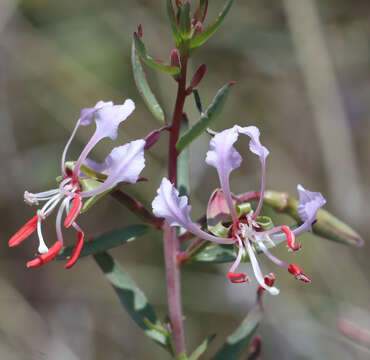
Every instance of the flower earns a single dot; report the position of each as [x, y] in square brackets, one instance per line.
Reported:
[123, 164]
[246, 231]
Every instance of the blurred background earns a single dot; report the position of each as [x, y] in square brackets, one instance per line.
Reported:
[303, 76]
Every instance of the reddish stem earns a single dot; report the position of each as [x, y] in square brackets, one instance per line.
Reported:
[170, 239]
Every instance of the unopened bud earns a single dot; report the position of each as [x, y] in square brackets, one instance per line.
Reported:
[175, 58]
[140, 30]
[197, 78]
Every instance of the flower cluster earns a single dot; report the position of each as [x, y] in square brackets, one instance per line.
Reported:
[246, 231]
[123, 164]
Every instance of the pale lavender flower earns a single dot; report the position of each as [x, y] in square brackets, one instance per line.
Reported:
[246, 232]
[123, 164]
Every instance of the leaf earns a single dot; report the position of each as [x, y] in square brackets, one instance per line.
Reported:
[183, 174]
[173, 22]
[201, 11]
[107, 241]
[144, 88]
[201, 38]
[201, 349]
[185, 21]
[155, 64]
[238, 341]
[205, 120]
[133, 299]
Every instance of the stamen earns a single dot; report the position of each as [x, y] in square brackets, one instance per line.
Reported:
[272, 257]
[77, 250]
[44, 258]
[49, 206]
[58, 222]
[42, 246]
[298, 273]
[269, 280]
[257, 271]
[74, 212]
[25, 231]
[290, 238]
[237, 278]
[33, 199]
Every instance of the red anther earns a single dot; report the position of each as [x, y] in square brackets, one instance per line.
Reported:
[77, 250]
[74, 212]
[298, 273]
[290, 238]
[24, 232]
[140, 30]
[44, 258]
[237, 278]
[269, 280]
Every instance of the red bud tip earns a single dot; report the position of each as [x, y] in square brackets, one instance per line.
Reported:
[77, 250]
[74, 212]
[175, 58]
[290, 238]
[298, 273]
[231, 83]
[140, 31]
[237, 278]
[44, 258]
[198, 28]
[24, 232]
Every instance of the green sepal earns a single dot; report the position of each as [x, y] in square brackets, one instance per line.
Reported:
[265, 222]
[214, 253]
[201, 349]
[240, 339]
[155, 64]
[133, 299]
[243, 209]
[87, 185]
[107, 241]
[206, 118]
[201, 38]
[219, 230]
[143, 87]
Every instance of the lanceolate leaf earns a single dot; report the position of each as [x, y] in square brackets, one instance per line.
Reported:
[201, 38]
[205, 120]
[183, 174]
[155, 64]
[133, 299]
[201, 349]
[107, 241]
[144, 88]
[173, 22]
[238, 341]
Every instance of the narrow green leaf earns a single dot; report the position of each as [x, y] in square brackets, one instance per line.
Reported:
[327, 225]
[173, 22]
[185, 21]
[155, 64]
[238, 341]
[183, 174]
[144, 88]
[201, 349]
[107, 241]
[201, 38]
[132, 298]
[205, 120]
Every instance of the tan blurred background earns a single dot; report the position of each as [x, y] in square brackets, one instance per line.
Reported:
[303, 77]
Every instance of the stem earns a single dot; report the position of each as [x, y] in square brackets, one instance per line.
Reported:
[137, 208]
[171, 241]
[174, 288]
